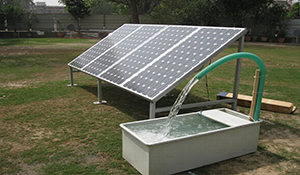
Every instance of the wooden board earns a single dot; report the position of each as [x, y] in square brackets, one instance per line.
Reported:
[266, 104]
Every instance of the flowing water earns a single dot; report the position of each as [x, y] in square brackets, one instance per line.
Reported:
[175, 127]
[181, 97]
[177, 105]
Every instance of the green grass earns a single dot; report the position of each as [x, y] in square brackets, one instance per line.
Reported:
[40, 41]
[47, 127]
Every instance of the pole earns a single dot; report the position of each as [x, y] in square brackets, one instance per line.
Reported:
[237, 74]
[99, 90]
[71, 78]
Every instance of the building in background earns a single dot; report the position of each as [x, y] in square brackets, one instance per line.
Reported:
[41, 8]
[287, 1]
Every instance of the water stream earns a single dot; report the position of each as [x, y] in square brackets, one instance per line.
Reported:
[177, 105]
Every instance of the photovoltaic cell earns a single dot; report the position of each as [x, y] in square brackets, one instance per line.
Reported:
[102, 46]
[115, 54]
[149, 60]
[145, 54]
[177, 63]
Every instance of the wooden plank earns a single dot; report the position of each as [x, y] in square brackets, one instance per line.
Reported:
[266, 104]
[253, 102]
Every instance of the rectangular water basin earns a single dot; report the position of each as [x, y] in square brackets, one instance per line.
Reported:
[219, 135]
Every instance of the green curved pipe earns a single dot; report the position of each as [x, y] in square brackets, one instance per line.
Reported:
[238, 55]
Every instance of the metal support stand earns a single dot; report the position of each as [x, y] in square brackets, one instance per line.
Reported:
[195, 105]
[71, 78]
[237, 74]
[152, 108]
[99, 89]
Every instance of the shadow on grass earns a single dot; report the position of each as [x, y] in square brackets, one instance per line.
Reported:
[137, 107]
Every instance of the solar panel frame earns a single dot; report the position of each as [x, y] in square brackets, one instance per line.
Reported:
[110, 73]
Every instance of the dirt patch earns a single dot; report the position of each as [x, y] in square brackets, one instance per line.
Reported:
[91, 159]
[29, 169]
[275, 133]
[14, 84]
[39, 134]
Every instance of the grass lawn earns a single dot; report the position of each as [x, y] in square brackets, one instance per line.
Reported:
[47, 127]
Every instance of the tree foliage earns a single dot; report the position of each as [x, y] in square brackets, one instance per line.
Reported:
[23, 4]
[143, 6]
[295, 11]
[200, 12]
[78, 9]
[103, 7]
[167, 11]
[13, 14]
[273, 17]
[13, 11]
[133, 7]
[30, 19]
[242, 11]
[195, 12]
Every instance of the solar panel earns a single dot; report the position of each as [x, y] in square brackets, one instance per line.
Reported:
[102, 46]
[120, 52]
[150, 60]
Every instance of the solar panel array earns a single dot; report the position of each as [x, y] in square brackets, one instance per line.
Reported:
[149, 60]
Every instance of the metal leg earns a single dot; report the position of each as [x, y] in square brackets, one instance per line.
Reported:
[241, 44]
[71, 78]
[152, 107]
[237, 73]
[99, 88]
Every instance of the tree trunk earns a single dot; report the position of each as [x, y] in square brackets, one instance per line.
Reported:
[134, 12]
[79, 25]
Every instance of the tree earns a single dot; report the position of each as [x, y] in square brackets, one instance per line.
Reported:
[295, 11]
[273, 16]
[168, 11]
[134, 12]
[200, 12]
[193, 12]
[24, 4]
[13, 14]
[132, 4]
[12, 11]
[103, 7]
[30, 19]
[137, 7]
[78, 9]
[242, 11]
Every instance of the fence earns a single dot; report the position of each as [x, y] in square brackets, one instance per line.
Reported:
[93, 22]
[294, 24]
[97, 22]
